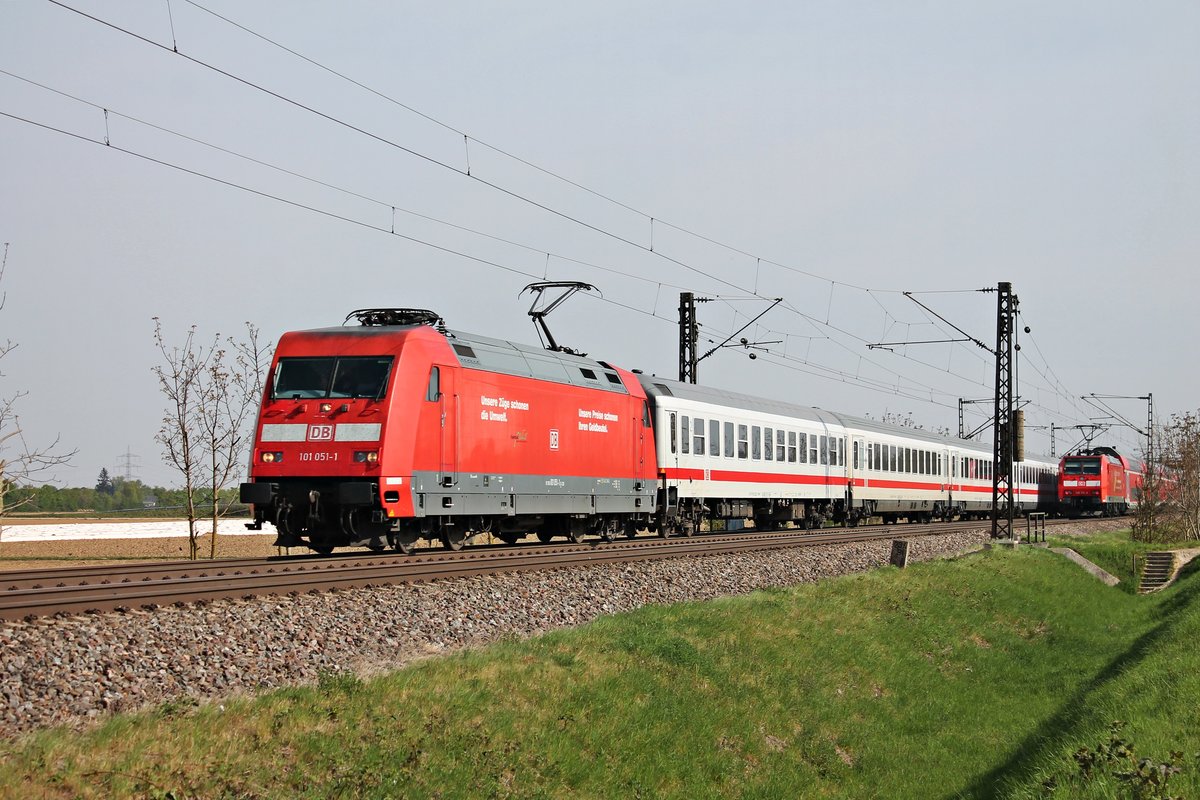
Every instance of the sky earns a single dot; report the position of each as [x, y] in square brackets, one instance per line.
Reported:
[286, 163]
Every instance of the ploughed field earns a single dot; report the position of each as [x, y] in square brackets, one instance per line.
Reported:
[76, 552]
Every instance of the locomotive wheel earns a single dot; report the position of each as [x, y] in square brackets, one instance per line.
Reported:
[630, 530]
[404, 542]
[320, 547]
[545, 536]
[509, 537]
[576, 535]
[452, 539]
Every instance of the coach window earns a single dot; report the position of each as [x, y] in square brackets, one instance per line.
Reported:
[671, 425]
[714, 437]
[780, 447]
[768, 444]
[433, 392]
[893, 461]
[698, 439]
[855, 452]
[812, 449]
[841, 451]
[791, 447]
[685, 431]
[755, 442]
[729, 442]
[743, 443]
[823, 450]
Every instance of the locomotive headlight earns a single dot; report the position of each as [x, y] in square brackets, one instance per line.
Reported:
[272, 457]
[366, 456]
[326, 407]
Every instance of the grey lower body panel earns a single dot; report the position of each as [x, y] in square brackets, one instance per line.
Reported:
[437, 494]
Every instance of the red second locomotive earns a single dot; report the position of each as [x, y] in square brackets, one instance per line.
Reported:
[1099, 481]
[397, 428]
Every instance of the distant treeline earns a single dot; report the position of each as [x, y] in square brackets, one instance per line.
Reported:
[112, 497]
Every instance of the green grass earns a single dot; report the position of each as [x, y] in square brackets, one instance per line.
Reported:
[1115, 552]
[974, 678]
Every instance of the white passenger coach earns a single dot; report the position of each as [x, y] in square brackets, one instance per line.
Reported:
[725, 457]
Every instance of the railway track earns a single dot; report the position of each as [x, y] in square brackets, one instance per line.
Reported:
[73, 590]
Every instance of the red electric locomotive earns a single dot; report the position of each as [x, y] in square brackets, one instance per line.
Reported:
[1099, 481]
[396, 429]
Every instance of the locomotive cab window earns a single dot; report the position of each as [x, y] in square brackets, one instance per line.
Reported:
[433, 392]
[348, 376]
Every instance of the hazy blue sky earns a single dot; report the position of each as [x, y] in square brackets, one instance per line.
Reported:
[835, 154]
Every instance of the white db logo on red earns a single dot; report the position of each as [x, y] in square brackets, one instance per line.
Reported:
[320, 433]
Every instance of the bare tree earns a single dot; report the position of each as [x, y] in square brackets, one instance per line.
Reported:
[212, 394]
[906, 420]
[179, 379]
[229, 388]
[1169, 510]
[20, 463]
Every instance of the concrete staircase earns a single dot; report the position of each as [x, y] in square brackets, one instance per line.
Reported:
[1159, 569]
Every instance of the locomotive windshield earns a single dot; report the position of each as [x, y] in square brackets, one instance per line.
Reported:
[1082, 466]
[348, 376]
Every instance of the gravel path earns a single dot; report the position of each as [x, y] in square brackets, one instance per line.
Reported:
[75, 670]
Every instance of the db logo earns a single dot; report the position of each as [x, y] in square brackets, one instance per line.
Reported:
[320, 433]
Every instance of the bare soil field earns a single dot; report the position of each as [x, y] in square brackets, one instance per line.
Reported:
[34, 555]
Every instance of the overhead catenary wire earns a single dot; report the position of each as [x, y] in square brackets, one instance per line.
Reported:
[469, 140]
[812, 367]
[392, 208]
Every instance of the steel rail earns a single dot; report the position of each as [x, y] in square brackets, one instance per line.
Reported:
[292, 576]
[126, 571]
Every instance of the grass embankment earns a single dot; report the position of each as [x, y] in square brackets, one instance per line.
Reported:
[976, 678]
[1116, 553]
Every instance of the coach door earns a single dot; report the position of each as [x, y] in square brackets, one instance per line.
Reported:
[856, 467]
